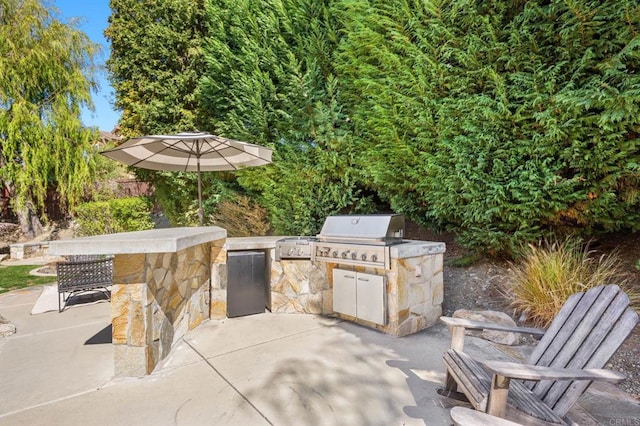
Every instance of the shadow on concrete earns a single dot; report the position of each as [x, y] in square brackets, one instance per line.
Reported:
[87, 298]
[101, 337]
[350, 381]
[419, 358]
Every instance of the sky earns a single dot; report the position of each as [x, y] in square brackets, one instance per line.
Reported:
[93, 17]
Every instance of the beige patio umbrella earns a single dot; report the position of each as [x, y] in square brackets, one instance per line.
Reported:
[190, 152]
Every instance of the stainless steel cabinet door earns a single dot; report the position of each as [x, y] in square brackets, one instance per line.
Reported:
[370, 298]
[344, 292]
[360, 295]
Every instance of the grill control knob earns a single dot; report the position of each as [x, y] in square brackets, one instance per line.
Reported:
[363, 256]
[345, 254]
[335, 253]
[290, 252]
[299, 252]
[354, 255]
[374, 257]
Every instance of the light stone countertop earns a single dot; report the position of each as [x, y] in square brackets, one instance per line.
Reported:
[415, 248]
[408, 248]
[252, 243]
[167, 240]
[164, 240]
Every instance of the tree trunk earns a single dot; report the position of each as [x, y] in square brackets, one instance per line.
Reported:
[30, 224]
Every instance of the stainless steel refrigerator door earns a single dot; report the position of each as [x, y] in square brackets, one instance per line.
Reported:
[246, 271]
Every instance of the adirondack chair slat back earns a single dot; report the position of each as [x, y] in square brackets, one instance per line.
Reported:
[585, 334]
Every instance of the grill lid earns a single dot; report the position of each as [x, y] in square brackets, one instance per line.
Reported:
[379, 227]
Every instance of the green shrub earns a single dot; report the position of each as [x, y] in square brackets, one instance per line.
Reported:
[117, 215]
[177, 194]
[548, 273]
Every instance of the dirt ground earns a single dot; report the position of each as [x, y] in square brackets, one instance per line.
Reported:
[9, 234]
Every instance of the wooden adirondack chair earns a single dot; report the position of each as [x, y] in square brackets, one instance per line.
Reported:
[570, 355]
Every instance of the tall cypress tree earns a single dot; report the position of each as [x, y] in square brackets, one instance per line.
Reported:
[155, 65]
[582, 88]
[502, 120]
[406, 70]
[386, 84]
[156, 62]
[562, 155]
[270, 80]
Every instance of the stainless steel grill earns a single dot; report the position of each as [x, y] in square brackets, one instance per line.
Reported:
[358, 240]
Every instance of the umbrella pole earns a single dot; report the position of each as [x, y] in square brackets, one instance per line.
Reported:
[200, 212]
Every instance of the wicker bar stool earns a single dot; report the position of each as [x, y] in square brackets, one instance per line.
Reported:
[82, 273]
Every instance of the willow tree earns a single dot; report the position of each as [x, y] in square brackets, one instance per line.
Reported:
[46, 77]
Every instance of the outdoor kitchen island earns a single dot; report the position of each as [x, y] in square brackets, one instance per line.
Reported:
[396, 288]
[412, 287]
[167, 281]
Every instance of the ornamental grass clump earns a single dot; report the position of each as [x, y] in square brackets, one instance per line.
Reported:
[548, 273]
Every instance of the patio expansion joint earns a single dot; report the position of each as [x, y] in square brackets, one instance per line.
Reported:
[53, 401]
[229, 383]
[56, 330]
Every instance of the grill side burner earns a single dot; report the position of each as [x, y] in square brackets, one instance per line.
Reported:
[294, 248]
[358, 240]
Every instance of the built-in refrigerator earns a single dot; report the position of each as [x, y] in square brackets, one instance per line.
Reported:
[247, 290]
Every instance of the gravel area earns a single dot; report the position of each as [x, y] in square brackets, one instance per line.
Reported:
[627, 361]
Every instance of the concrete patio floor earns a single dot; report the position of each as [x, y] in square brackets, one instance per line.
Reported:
[261, 369]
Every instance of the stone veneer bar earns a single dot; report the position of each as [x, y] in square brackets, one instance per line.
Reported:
[161, 288]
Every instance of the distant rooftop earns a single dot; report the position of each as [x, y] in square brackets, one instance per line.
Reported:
[106, 137]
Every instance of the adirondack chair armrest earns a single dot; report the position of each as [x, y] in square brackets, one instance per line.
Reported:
[459, 325]
[503, 372]
[478, 325]
[515, 370]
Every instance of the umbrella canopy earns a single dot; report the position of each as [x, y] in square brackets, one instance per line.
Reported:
[190, 152]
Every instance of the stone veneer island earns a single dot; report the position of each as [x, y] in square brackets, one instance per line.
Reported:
[414, 284]
[167, 281]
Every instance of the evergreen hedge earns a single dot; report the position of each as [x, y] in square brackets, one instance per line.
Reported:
[270, 81]
[501, 120]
